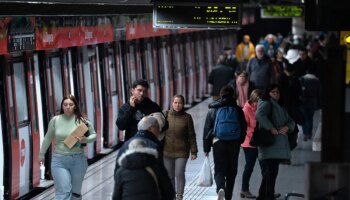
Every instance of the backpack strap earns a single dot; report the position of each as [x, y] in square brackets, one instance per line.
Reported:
[153, 174]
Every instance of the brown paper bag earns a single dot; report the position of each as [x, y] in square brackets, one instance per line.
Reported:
[78, 132]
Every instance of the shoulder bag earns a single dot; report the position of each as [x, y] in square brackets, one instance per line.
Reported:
[262, 137]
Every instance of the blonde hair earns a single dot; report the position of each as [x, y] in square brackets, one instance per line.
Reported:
[255, 96]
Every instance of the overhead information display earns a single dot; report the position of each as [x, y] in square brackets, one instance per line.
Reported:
[282, 11]
[196, 15]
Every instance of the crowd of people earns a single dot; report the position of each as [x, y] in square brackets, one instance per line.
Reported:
[278, 86]
[274, 85]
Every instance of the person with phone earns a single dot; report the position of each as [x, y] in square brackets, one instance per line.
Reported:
[139, 105]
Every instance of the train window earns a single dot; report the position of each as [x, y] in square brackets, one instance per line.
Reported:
[196, 15]
[57, 81]
[150, 66]
[11, 110]
[112, 72]
[20, 85]
[32, 95]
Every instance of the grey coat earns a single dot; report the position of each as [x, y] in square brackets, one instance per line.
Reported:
[279, 117]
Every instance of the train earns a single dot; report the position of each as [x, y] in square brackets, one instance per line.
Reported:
[95, 58]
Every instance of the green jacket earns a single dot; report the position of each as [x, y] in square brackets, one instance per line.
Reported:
[279, 117]
[180, 137]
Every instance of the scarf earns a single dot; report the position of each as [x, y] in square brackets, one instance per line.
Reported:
[242, 90]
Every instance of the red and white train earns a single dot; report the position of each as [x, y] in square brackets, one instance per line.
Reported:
[96, 59]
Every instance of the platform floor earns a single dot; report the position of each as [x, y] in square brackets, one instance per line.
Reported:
[98, 183]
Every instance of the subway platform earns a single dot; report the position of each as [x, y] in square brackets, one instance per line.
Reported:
[98, 183]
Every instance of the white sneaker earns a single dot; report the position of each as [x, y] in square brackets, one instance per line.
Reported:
[221, 194]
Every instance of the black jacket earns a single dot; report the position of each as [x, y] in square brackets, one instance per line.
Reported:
[210, 120]
[129, 117]
[219, 77]
[151, 142]
[134, 182]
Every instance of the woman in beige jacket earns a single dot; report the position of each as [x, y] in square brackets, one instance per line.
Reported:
[179, 142]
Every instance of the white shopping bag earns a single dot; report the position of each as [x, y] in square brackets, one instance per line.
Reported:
[205, 178]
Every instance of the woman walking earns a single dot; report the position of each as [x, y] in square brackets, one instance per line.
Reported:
[68, 165]
[179, 142]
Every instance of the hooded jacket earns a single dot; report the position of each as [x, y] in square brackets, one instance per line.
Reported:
[134, 182]
[210, 121]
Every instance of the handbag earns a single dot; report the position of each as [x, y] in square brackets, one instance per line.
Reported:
[205, 178]
[261, 137]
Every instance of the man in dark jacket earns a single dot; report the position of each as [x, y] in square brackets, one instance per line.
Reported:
[220, 76]
[225, 151]
[132, 112]
[140, 176]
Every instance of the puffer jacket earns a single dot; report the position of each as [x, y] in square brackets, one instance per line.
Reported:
[249, 113]
[134, 182]
[210, 121]
[180, 138]
[279, 117]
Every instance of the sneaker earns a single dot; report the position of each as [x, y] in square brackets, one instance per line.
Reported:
[179, 197]
[221, 194]
[276, 195]
[247, 194]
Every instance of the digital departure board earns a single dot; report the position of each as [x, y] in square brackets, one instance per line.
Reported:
[196, 15]
[281, 11]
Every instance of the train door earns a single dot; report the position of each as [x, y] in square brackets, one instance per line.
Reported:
[166, 77]
[35, 110]
[89, 86]
[110, 92]
[22, 128]
[178, 67]
[58, 79]
[151, 67]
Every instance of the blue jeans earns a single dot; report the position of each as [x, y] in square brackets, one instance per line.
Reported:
[68, 173]
[251, 154]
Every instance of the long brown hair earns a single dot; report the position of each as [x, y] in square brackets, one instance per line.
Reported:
[78, 115]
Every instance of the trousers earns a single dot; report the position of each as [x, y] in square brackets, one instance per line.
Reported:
[68, 173]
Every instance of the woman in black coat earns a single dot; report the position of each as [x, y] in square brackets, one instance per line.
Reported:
[140, 176]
